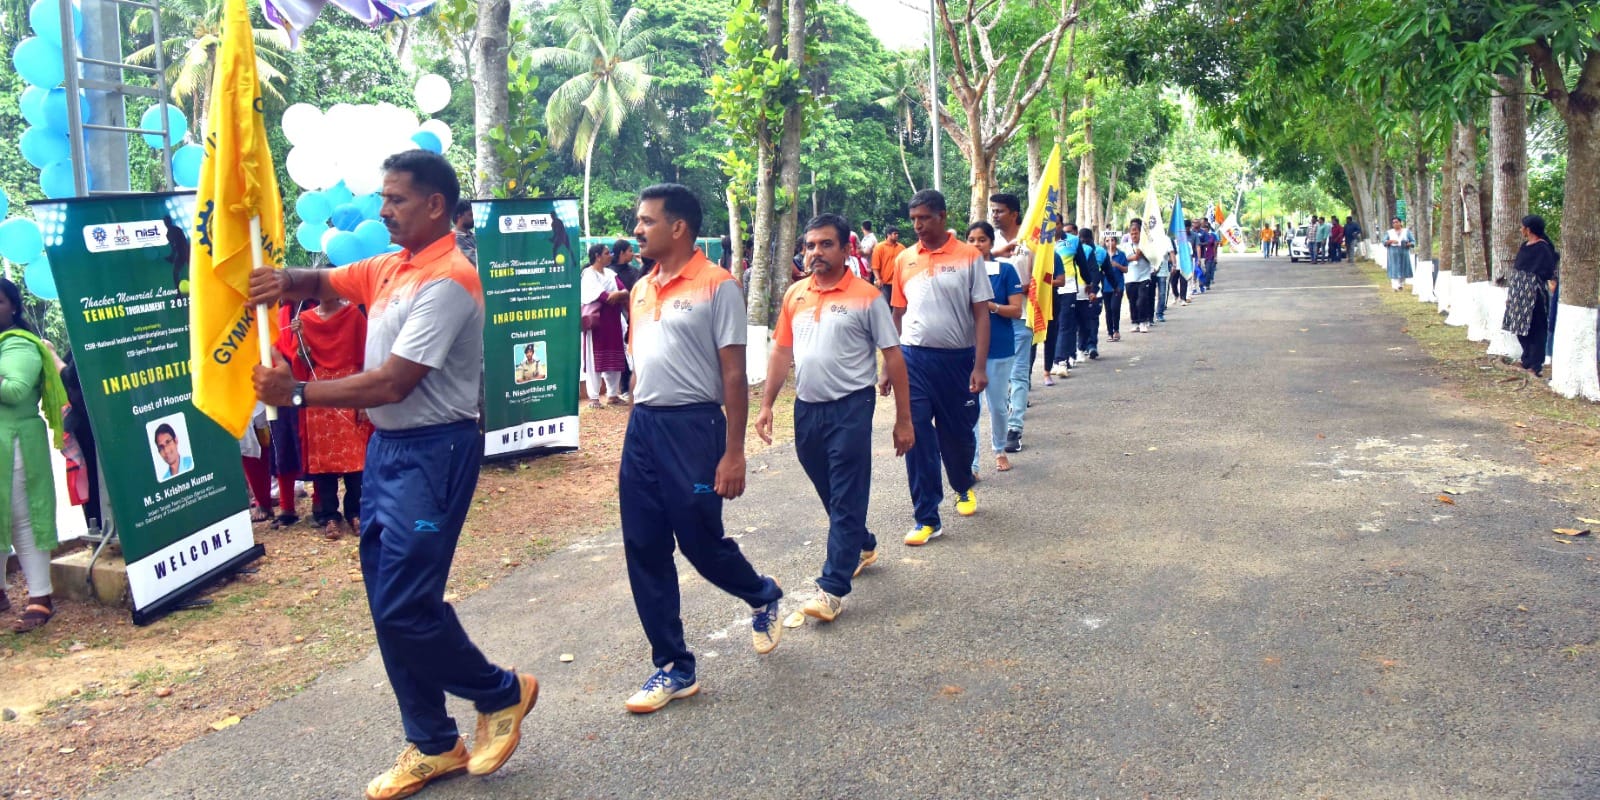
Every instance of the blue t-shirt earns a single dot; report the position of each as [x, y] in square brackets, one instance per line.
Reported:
[1004, 281]
[1111, 279]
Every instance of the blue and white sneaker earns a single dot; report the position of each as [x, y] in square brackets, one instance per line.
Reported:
[764, 628]
[662, 688]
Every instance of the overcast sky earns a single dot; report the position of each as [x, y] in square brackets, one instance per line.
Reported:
[896, 23]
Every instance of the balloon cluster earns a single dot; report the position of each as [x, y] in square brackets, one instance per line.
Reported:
[44, 104]
[337, 159]
[22, 242]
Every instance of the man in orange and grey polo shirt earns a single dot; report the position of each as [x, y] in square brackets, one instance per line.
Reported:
[941, 306]
[682, 455]
[420, 385]
[830, 327]
[883, 261]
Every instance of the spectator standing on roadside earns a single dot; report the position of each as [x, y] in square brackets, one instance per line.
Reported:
[941, 308]
[625, 265]
[831, 327]
[1324, 238]
[463, 228]
[1352, 237]
[683, 452]
[1336, 241]
[869, 240]
[333, 336]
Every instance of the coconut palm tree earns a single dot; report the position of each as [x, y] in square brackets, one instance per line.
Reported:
[192, 31]
[903, 84]
[607, 59]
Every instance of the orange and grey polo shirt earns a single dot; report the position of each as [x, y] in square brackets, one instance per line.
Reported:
[836, 334]
[678, 327]
[425, 307]
[937, 288]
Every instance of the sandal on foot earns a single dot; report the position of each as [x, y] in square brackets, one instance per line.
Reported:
[332, 531]
[284, 521]
[1001, 463]
[257, 515]
[34, 616]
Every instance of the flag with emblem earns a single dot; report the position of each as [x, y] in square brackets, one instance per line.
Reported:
[1039, 235]
[238, 227]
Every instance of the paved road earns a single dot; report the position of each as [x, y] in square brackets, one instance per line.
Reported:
[1218, 570]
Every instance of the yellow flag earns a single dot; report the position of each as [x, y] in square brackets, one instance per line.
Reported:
[237, 184]
[1039, 235]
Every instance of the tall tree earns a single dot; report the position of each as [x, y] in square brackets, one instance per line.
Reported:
[492, 108]
[903, 85]
[1001, 58]
[1508, 145]
[192, 32]
[608, 60]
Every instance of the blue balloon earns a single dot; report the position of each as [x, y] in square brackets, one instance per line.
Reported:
[41, 146]
[344, 248]
[393, 248]
[177, 125]
[56, 179]
[338, 194]
[186, 162]
[45, 17]
[313, 207]
[309, 235]
[32, 103]
[55, 109]
[5, 203]
[346, 217]
[20, 240]
[370, 205]
[40, 280]
[39, 62]
[428, 140]
[374, 236]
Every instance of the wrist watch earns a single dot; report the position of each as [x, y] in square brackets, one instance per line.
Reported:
[298, 399]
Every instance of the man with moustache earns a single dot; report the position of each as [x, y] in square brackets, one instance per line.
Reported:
[831, 326]
[683, 453]
[420, 385]
[941, 308]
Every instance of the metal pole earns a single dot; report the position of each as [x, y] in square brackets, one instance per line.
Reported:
[933, 93]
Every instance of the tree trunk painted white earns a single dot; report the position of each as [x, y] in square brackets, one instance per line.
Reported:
[1572, 362]
[1035, 165]
[789, 156]
[1423, 281]
[1443, 282]
[768, 259]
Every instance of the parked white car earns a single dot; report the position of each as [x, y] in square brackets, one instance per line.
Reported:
[1299, 244]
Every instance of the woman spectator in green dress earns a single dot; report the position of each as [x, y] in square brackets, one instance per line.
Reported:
[27, 379]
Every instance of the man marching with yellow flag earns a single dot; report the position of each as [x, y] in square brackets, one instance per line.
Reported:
[238, 227]
[1039, 235]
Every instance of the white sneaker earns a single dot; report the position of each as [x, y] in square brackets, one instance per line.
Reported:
[1083, 355]
[1060, 370]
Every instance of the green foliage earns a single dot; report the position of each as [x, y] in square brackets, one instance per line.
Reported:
[520, 143]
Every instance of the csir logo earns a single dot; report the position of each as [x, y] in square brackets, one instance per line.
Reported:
[99, 234]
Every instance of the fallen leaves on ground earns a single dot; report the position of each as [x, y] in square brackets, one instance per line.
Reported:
[1571, 531]
[1446, 499]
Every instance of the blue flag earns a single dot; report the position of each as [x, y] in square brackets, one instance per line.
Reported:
[1180, 239]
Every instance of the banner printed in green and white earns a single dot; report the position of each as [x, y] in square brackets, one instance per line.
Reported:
[173, 476]
[528, 261]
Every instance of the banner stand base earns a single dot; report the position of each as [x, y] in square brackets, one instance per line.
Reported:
[532, 452]
[181, 599]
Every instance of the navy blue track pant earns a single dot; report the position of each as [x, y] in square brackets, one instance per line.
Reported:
[834, 443]
[669, 467]
[417, 489]
[942, 415]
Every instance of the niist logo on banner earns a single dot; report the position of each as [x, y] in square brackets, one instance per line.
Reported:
[526, 223]
[124, 235]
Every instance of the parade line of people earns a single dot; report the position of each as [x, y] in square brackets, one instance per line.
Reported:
[381, 361]
[949, 298]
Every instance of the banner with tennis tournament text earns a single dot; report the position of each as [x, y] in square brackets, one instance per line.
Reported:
[529, 263]
[178, 497]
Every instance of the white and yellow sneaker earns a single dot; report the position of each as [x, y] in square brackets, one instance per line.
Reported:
[920, 535]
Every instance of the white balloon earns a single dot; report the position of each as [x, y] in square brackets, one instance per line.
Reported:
[364, 175]
[395, 118]
[432, 94]
[302, 123]
[343, 124]
[438, 128]
[303, 168]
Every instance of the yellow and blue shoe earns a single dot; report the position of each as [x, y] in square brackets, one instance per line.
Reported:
[662, 688]
[967, 503]
[765, 631]
[920, 535]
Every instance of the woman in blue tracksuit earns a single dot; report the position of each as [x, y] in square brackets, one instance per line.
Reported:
[1113, 283]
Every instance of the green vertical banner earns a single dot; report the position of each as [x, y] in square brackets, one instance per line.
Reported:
[528, 260]
[179, 503]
